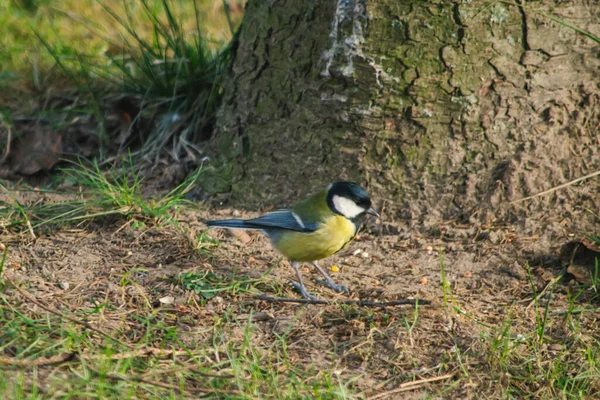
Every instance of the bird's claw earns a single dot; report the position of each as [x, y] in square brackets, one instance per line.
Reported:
[334, 286]
[302, 290]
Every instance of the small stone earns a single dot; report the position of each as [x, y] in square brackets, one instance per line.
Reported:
[555, 347]
[533, 57]
[494, 237]
[63, 285]
[240, 235]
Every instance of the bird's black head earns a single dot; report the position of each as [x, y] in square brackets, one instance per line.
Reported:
[349, 199]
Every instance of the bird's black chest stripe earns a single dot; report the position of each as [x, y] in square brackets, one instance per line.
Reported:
[357, 223]
[357, 226]
[345, 245]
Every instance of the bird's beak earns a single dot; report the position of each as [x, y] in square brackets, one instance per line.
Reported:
[372, 212]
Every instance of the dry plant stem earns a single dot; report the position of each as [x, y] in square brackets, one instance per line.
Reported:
[363, 303]
[550, 284]
[57, 313]
[38, 362]
[554, 189]
[406, 386]
[8, 140]
[145, 352]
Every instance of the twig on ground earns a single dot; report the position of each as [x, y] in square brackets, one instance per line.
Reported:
[406, 386]
[38, 362]
[554, 189]
[363, 303]
[86, 325]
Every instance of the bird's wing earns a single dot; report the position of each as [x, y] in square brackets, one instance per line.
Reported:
[283, 219]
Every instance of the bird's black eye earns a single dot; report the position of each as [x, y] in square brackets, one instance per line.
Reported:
[364, 203]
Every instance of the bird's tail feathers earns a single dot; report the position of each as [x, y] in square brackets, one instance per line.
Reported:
[233, 223]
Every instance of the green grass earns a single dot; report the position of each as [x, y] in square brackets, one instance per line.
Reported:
[173, 74]
[162, 58]
[116, 192]
[66, 26]
[207, 285]
[558, 356]
[225, 362]
[559, 367]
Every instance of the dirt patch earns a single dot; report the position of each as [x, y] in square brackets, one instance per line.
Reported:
[482, 285]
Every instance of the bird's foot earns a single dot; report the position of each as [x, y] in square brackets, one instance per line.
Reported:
[302, 290]
[333, 286]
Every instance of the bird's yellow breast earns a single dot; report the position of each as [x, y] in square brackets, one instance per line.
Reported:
[334, 234]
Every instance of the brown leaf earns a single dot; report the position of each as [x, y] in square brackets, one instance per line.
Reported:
[580, 257]
[34, 150]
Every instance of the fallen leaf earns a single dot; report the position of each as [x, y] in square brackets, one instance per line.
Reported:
[580, 258]
[167, 300]
[34, 150]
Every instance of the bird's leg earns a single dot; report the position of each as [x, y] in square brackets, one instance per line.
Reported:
[329, 282]
[299, 286]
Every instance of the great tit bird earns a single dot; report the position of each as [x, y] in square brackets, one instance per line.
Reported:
[312, 229]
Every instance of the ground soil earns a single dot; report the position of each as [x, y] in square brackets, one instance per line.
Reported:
[491, 274]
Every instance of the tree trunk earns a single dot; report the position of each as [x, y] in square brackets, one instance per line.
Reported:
[444, 109]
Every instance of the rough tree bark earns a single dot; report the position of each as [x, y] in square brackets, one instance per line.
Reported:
[445, 109]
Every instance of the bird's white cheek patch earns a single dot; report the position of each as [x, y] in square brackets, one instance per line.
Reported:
[347, 207]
